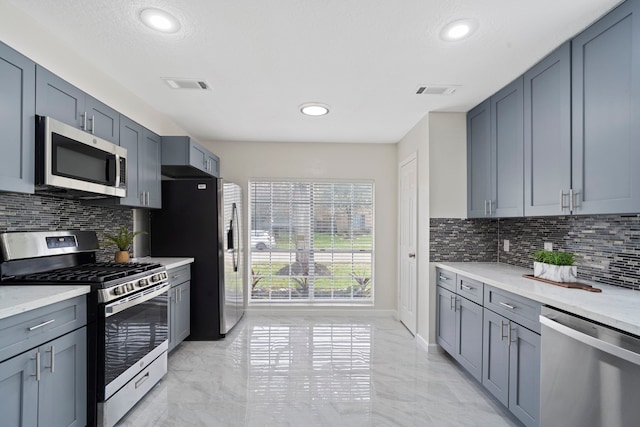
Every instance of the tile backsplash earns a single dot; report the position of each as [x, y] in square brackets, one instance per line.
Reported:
[607, 247]
[25, 212]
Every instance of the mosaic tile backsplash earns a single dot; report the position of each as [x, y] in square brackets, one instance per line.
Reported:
[25, 212]
[607, 247]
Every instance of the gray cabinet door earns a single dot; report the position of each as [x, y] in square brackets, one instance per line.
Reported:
[103, 121]
[495, 359]
[198, 156]
[524, 375]
[479, 156]
[605, 109]
[507, 132]
[17, 122]
[213, 164]
[183, 312]
[19, 391]
[446, 320]
[149, 164]
[468, 349]
[62, 395]
[59, 99]
[547, 136]
[131, 139]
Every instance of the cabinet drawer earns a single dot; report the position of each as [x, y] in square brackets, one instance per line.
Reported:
[514, 307]
[470, 289]
[179, 275]
[35, 327]
[446, 279]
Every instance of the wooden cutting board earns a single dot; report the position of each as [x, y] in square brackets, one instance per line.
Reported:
[571, 285]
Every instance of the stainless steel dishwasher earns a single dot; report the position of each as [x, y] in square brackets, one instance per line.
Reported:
[590, 373]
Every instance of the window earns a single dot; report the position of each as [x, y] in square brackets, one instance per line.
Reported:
[311, 242]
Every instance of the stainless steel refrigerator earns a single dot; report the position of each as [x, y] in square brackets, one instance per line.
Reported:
[202, 218]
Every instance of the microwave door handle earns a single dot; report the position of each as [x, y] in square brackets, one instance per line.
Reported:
[117, 182]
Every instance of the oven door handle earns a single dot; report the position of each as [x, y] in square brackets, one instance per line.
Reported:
[118, 306]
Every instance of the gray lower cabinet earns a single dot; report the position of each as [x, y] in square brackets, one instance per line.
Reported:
[459, 330]
[605, 109]
[183, 157]
[43, 368]
[61, 100]
[17, 122]
[179, 305]
[511, 366]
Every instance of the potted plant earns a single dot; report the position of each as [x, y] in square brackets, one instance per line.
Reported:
[555, 266]
[122, 240]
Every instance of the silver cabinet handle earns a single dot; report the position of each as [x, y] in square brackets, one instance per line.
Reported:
[142, 198]
[33, 328]
[502, 325]
[452, 304]
[443, 277]
[511, 330]
[53, 358]
[562, 196]
[37, 359]
[504, 304]
[485, 208]
[490, 207]
[467, 288]
[571, 199]
[93, 124]
[412, 255]
[84, 121]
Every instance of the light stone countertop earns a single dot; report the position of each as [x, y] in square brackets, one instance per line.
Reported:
[18, 299]
[169, 263]
[614, 306]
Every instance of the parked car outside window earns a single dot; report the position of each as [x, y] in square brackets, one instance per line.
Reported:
[261, 240]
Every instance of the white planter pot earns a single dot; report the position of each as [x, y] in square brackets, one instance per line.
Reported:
[557, 273]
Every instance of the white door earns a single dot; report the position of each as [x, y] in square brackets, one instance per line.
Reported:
[408, 293]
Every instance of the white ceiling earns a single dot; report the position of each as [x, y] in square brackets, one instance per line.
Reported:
[264, 58]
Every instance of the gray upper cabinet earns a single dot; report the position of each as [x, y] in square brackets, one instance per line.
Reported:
[605, 109]
[149, 162]
[61, 100]
[547, 133]
[479, 160]
[17, 109]
[495, 155]
[507, 147]
[183, 157]
[131, 139]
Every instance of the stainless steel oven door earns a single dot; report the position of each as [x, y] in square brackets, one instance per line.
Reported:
[136, 333]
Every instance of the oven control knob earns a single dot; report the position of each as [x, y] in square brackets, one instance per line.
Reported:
[129, 286]
[117, 290]
[142, 283]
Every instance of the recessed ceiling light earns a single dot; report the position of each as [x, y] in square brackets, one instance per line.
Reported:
[314, 109]
[159, 20]
[458, 30]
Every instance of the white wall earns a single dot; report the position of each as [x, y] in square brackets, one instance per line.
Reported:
[24, 34]
[448, 165]
[242, 161]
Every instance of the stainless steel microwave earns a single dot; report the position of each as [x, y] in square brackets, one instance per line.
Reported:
[73, 163]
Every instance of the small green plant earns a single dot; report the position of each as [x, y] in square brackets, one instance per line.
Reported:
[122, 239]
[554, 258]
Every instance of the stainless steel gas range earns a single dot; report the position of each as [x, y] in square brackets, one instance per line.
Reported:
[128, 313]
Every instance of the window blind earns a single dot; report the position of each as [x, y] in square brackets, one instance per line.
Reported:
[311, 241]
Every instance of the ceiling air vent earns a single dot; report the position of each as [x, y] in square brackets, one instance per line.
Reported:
[186, 83]
[436, 89]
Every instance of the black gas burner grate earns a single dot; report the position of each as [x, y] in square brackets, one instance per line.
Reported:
[90, 273]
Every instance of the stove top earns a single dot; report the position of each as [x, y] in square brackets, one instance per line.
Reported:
[95, 273]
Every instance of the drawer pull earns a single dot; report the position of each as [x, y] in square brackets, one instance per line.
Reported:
[504, 304]
[175, 276]
[142, 380]
[33, 328]
[468, 288]
[443, 278]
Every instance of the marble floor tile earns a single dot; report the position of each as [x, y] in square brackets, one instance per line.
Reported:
[307, 371]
